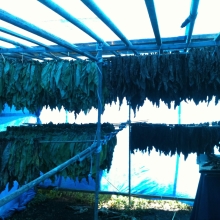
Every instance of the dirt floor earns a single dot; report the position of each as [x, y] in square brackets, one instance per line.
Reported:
[64, 209]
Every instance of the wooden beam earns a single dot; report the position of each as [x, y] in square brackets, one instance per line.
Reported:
[102, 16]
[5, 16]
[59, 10]
[153, 18]
[193, 15]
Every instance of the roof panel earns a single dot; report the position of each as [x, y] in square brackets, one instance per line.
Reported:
[41, 16]
[23, 32]
[86, 16]
[6, 45]
[8, 36]
[131, 17]
[207, 21]
[171, 14]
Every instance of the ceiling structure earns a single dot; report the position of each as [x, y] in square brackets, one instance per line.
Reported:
[78, 29]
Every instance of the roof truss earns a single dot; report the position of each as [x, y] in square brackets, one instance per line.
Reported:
[89, 50]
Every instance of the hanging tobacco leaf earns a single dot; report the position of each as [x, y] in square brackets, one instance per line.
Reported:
[24, 158]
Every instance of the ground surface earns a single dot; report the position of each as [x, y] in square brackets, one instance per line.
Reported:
[65, 209]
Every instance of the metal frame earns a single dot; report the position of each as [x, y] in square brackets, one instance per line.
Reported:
[145, 46]
[117, 48]
[89, 50]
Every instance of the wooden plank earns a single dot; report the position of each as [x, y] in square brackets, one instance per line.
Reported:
[102, 16]
[59, 10]
[18, 192]
[5, 16]
[153, 19]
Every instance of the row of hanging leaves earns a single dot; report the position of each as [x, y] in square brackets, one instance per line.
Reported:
[172, 139]
[73, 84]
[170, 77]
[23, 157]
[31, 84]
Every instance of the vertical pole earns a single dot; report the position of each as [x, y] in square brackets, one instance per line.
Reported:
[177, 157]
[129, 156]
[97, 185]
[37, 113]
[67, 119]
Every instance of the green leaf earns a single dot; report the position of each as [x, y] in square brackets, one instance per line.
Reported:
[33, 66]
[77, 77]
[92, 71]
[45, 75]
[6, 156]
[66, 74]
[7, 67]
[1, 78]
[58, 71]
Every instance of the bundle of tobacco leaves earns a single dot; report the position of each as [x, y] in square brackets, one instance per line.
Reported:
[171, 139]
[170, 77]
[23, 155]
[33, 85]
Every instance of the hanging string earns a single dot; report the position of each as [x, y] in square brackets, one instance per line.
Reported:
[99, 98]
[159, 51]
[3, 58]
